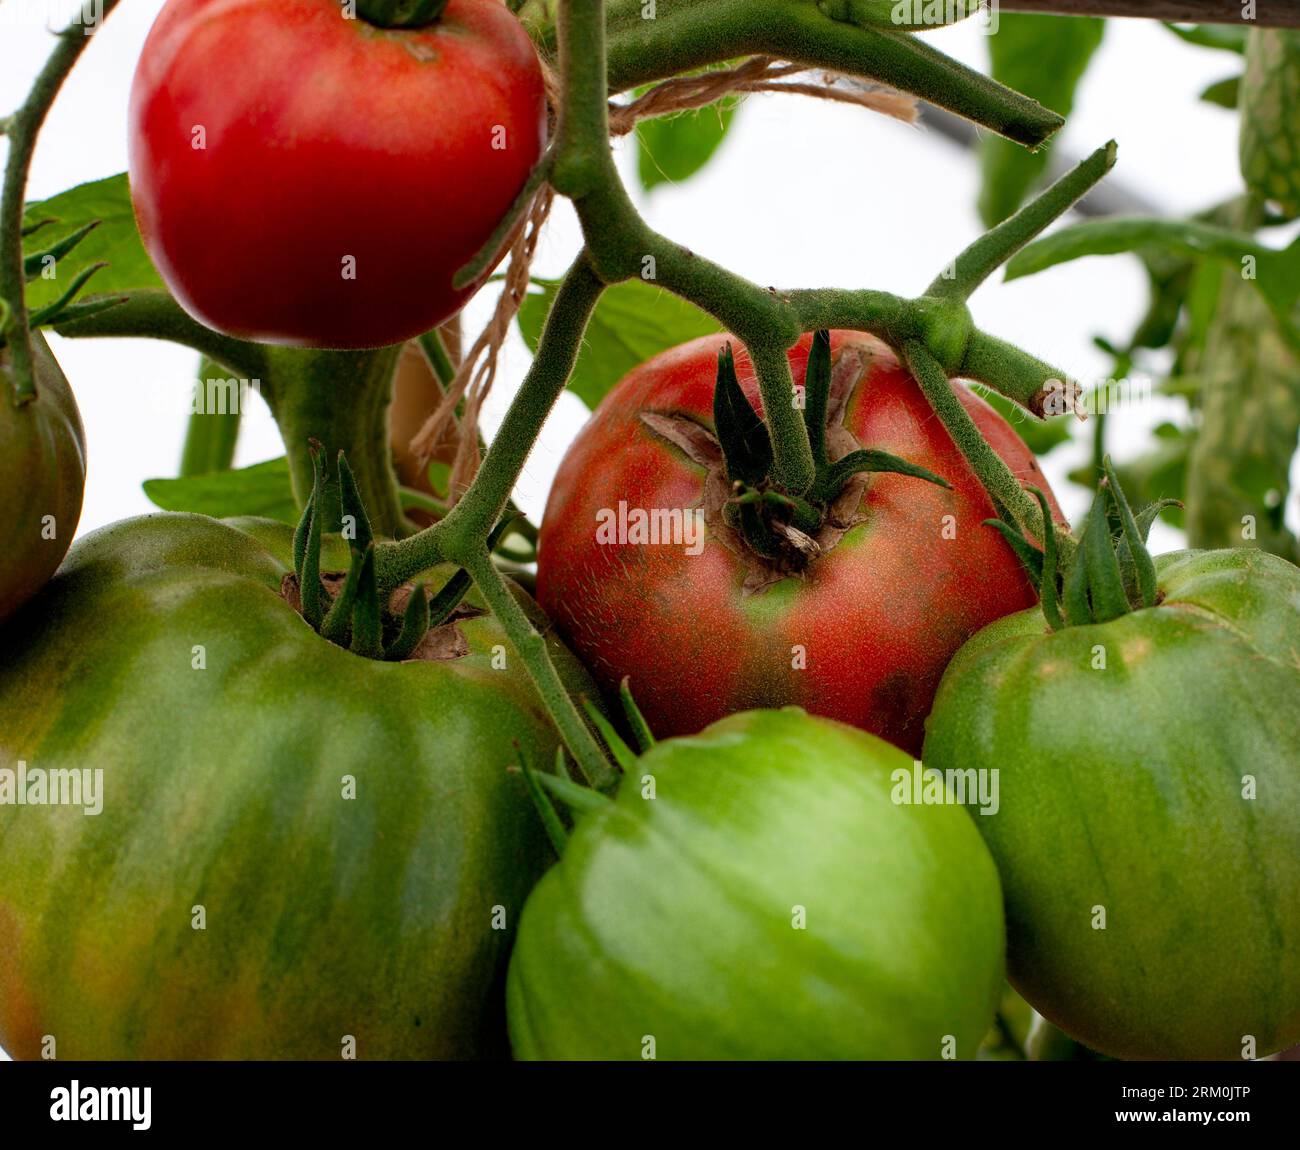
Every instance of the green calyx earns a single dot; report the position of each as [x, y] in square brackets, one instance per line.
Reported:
[544, 790]
[1111, 573]
[401, 13]
[354, 617]
[776, 524]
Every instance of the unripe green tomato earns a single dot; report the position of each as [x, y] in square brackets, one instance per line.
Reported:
[266, 846]
[755, 892]
[42, 476]
[1148, 830]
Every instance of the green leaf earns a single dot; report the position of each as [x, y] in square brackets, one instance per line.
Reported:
[1044, 57]
[1270, 136]
[263, 489]
[1224, 93]
[1226, 37]
[674, 148]
[1040, 435]
[1277, 273]
[633, 321]
[116, 242]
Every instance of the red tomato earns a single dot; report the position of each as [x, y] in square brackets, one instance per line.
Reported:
[862, 634]
[303, 178]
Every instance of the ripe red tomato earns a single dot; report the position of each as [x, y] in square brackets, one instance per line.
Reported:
[303, 178]
[861, 635]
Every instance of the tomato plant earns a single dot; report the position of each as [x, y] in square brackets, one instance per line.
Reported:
[755, 892]
[43, 474]
[328, 198]
[254, 798]
[1144, 730]
[905, 571]
[294, 844]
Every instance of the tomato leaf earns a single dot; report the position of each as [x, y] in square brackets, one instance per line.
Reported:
[1269, 134]
[674, 148]
[1044, 57]
[263, 489]
[115, 242]
[633, 321]
[1224, 93]
[1275, 273]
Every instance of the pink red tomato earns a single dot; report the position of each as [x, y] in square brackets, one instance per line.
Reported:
[861, 635]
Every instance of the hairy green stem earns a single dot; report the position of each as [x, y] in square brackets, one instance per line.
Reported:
[995, 247]
[530, 645]
[622, 245]
[582, 157]
[156, 315]
[690, 34]
[479, 509]
[340, 399]
[211, 436]
[438, 358]
[1003, 487]
[1036, 386]
[22, 128]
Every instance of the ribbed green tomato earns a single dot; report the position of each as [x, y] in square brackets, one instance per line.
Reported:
[1148, 833]
[770, 901]
[42, 476]
[232, 899]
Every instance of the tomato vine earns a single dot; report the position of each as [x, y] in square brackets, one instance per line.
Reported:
[602, 48]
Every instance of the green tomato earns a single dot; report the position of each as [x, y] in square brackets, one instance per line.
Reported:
[295, 845]
[1148, 833]
[42, 475]
[770, 901]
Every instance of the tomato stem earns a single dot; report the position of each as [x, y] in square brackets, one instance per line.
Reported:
[211, 437]
[988, 253]
[1003, 487]
[22, 129]
[530, 646]
[482, 506]
[691, 34]
[340, 399]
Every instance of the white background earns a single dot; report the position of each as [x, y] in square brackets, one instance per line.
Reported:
[890, 205]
